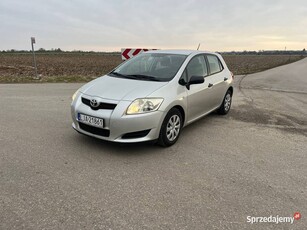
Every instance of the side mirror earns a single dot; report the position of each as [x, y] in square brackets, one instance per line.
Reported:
[195, 80]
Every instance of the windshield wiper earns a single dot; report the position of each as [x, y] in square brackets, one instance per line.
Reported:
[118, 74]
[124, 76]
[143, 77]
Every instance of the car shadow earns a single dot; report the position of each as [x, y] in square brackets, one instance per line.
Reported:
[142, 147]
[95, 145]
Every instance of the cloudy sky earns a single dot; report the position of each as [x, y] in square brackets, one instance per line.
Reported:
[108, 25]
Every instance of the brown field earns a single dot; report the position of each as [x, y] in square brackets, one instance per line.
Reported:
[82, 67]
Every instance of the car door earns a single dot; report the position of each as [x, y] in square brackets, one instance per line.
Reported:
[198, 96]
[216, 81]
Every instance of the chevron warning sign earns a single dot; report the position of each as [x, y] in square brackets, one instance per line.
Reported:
[128, 53]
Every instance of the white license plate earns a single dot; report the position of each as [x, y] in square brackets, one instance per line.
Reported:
[94, 121]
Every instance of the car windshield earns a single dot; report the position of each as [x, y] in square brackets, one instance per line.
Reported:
[150, 66]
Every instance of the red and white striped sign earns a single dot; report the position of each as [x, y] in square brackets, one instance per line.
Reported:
[128, 53]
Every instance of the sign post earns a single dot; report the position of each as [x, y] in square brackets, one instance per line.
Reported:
[34, 59]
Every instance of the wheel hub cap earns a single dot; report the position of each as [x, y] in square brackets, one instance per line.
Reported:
[227, 102]
[173, 127]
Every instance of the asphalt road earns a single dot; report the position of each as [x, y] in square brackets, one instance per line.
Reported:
[251, 162]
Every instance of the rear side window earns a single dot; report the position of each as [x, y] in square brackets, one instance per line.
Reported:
[214, 64]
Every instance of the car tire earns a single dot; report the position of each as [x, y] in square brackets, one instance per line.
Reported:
[171, 128]
[226, 104]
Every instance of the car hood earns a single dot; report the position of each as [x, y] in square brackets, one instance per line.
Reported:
[114, 88]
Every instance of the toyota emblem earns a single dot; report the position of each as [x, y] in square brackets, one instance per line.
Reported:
[94, 103]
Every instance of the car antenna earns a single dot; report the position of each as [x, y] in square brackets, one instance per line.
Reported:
[198, 46]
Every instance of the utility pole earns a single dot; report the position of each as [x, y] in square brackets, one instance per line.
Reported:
[34, 59]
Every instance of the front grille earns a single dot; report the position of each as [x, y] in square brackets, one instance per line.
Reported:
[138, 134]
[94, 130]
[102, 105]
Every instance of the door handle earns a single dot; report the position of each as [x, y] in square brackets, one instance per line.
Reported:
[225, 78]
[210, 85]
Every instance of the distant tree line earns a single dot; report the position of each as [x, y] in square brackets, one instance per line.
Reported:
[42, 50]
[260, 52]
[55, 50]
[267, 52]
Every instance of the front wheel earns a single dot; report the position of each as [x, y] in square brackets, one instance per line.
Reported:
[171, 128]
[226, 104]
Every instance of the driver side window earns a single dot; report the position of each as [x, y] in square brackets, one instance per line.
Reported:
[196, 67]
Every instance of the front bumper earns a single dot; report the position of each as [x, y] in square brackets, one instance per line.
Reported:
[118, 127]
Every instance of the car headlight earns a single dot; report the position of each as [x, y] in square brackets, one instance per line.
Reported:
[74, 95]
[144, 105]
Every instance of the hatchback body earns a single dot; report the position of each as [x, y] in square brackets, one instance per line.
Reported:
[153, 96]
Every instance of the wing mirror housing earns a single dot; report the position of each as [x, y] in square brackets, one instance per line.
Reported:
[195, 80]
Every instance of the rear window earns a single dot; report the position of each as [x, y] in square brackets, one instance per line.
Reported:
[214, 64]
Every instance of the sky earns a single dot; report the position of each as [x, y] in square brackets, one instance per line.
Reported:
[109, 25]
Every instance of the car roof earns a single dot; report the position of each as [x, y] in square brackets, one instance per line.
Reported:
[182, 52]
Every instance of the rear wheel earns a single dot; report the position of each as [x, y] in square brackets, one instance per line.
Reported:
[226, 104]
[171, 128]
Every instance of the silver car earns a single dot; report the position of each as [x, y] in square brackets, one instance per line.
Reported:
[152, 96]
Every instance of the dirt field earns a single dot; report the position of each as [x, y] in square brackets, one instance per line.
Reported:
[82, 67]
[247, 64]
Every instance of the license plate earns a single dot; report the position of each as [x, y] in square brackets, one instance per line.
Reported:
[93, 121]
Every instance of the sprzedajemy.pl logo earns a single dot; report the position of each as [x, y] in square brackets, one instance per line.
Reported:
[273, 219]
